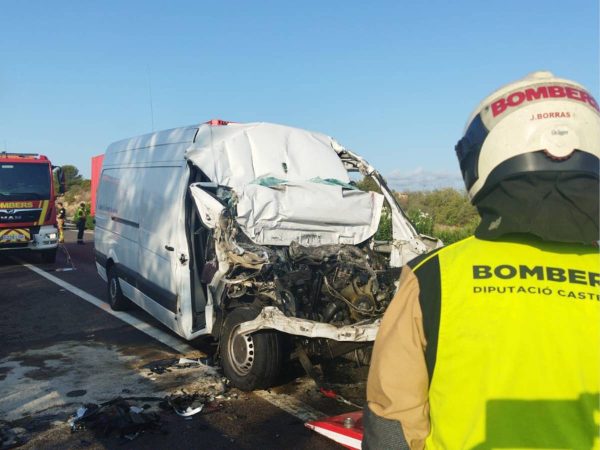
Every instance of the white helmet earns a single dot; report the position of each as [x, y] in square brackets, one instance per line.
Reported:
[521, 138]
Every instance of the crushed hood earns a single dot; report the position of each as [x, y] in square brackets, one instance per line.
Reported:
[290, 184]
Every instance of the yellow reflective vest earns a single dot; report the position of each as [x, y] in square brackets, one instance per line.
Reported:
[517, 351]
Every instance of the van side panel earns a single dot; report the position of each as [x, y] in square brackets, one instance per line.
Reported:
[118, 215]
[141, 216]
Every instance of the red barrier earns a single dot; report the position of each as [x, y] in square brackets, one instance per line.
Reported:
[96, 171]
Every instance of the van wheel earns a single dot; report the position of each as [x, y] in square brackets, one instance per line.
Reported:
[252, 361]
[49, 256]
[117, 300]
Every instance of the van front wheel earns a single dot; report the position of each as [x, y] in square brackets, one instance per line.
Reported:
[117, 300]
[251, 361]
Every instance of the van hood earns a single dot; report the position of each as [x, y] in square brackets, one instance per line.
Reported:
[288, 184]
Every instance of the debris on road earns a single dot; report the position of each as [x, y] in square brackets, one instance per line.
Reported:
[165, 365]
[188, 405]
[9, 437]
[115, 416]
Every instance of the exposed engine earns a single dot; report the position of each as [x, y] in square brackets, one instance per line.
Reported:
[336, 284]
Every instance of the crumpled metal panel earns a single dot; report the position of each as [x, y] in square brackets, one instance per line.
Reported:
[272, 318]
[237, 154]
[308, 213]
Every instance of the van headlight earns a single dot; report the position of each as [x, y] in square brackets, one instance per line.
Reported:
[51, 236]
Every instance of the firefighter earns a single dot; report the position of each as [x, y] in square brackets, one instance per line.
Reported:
[60, 221]
[80, 218]
[494, 341]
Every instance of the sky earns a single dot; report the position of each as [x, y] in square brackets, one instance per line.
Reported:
[394, 81]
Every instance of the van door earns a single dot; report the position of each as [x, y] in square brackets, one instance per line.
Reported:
[163, 251]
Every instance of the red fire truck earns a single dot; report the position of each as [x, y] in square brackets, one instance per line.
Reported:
[27, 204]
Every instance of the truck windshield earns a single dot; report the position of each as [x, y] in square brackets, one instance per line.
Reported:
[24, 181]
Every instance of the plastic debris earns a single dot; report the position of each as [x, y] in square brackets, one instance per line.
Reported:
[189, 411]
[187, 405]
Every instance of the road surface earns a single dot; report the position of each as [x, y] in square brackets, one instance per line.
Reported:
[62, 347]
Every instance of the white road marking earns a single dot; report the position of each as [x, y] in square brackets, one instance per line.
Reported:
[285, 402]
[144, 327]
[290, 405]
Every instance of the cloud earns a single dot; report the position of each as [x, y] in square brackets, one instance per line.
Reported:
[421, 179]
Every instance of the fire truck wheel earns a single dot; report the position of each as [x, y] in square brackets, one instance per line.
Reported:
[251, 361]
[117, 300]
[49, 256]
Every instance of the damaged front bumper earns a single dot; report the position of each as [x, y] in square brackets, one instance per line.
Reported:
[272, 318]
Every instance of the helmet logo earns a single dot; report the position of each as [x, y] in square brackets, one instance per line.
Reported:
[516, 98]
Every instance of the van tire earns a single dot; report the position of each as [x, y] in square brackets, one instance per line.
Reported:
[253, 361]
[49, 256]
[116, 299]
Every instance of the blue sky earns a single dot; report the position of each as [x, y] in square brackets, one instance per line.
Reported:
[394, 81]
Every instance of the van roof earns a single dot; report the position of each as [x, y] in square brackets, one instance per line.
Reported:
[235, 154]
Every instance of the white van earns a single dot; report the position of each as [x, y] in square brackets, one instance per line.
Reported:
[249, 232]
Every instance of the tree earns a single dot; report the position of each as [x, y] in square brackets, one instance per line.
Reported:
[72, 176]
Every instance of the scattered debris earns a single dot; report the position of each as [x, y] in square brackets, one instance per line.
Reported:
[115, 416]
[165, 365]
[186, 405]
[9, 437]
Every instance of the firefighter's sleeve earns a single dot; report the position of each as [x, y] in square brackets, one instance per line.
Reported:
[397, 412]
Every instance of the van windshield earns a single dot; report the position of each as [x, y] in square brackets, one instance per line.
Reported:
[24, 181]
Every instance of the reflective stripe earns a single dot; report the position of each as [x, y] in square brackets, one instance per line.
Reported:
[15, 235]
[517, 360]
[43, 213]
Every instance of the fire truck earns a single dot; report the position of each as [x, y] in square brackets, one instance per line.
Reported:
[27, 204]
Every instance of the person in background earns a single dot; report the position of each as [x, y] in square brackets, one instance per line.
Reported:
[494, 341]
[80, 218]
[60, 221]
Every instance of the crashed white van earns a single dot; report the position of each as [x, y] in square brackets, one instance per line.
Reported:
[249, 232]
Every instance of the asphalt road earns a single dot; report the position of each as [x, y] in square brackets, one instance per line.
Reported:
[60, 352]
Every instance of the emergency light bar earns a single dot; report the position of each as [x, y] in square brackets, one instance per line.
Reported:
[22, 155]
[217, 122]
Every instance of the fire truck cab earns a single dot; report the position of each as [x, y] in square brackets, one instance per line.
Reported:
[27, 204]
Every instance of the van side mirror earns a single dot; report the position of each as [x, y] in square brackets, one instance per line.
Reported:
[60, 176]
